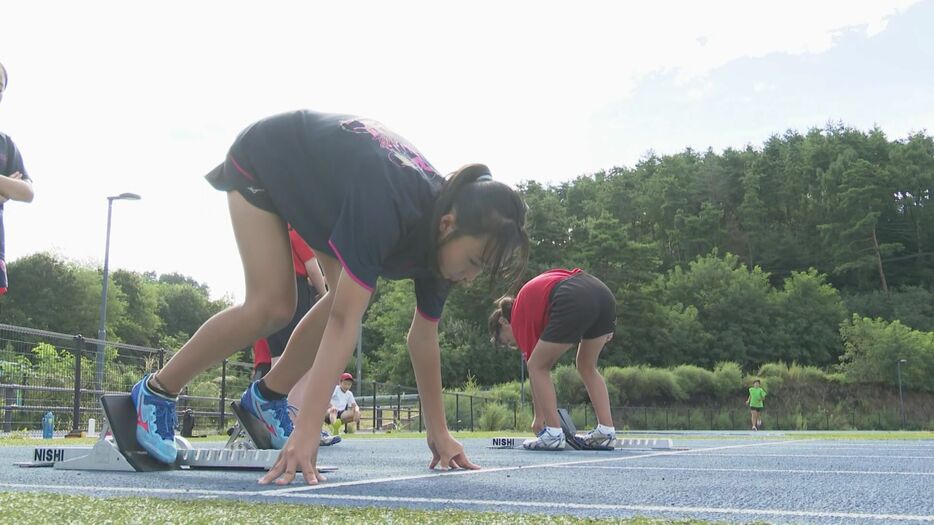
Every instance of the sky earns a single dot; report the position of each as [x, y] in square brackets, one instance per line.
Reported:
[111, 97]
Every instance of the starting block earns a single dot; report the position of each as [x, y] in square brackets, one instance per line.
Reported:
[577, 443]
[122, 452]
[247, 423]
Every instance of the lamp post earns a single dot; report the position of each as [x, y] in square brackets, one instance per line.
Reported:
[101, 332]
[901, 398]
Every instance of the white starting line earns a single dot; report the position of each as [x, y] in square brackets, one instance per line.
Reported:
[760, 470]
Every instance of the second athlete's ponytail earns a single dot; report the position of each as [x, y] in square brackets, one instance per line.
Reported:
[503, 311]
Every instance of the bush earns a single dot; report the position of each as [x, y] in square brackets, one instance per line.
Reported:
[810, 375]
[661, 385]
[728, 379]
[568, 386]
[695, 382]
[494, 416]
[508, 393]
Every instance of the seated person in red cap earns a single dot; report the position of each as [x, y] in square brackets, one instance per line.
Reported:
[343, 407]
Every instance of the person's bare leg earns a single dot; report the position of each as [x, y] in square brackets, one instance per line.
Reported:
[289, 373]
[587, 354]
[753, 416]
[349, 416]
[538, 418]
[263, 242]
[543, 390]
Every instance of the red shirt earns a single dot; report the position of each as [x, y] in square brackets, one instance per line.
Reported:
[531, 308]
[301, 253]
[261, 352]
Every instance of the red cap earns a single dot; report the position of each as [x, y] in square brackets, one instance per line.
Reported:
[345, 376]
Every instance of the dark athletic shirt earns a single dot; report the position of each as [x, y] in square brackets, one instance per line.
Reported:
[352, 189]
[10, 162]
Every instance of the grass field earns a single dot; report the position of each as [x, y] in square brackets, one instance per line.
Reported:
[23, 508]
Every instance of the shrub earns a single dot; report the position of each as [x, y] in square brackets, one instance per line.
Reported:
[568, 386]
[728, 378]
[695, 382]
[494, 416]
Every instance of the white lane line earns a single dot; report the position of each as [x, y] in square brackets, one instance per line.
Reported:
[870, 444]
[492, 503]
[504, 469]
[700, 453]
[761, 470]
[668, 509]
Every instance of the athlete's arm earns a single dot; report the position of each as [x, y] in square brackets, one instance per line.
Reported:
[425, 354]
[16, 188]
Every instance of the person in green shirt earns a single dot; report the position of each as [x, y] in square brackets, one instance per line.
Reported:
[755, 402]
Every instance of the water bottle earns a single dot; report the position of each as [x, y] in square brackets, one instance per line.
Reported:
[48, 425]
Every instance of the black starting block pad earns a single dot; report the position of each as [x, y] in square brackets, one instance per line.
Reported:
[121, 416]
[122, 451]
[253, 427]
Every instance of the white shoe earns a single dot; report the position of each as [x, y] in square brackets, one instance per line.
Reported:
[545, 441]
[596, 438]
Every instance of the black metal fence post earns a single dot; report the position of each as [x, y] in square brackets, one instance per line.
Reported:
[9, 398]
[457, 411]
[222, 400]
[471, 413]
[76, 348]
[161, 358]
[374, 407]
[421, 420]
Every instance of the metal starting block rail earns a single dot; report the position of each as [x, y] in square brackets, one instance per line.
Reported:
[121, 451]
[577, 442]
[618, 444]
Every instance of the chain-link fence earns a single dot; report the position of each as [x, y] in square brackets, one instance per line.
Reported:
[42, 371]
[385, 406]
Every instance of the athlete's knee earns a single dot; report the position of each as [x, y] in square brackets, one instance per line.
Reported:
[273, 313]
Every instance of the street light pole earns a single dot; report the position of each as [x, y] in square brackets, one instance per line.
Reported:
[101, 330]
[901, 398]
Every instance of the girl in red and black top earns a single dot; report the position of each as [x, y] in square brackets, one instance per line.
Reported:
[550, 314]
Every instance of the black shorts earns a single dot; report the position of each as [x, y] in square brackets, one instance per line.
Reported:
[235, 174]
[757, 409]
[307, 296]
[582, 307]
[327, 417]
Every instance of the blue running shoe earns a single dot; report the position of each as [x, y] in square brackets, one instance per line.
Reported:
[155, 422]
[274, 415]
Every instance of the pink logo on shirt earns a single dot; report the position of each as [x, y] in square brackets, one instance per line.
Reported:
[400, 151]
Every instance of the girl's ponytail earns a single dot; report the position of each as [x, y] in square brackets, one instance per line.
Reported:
[503, 311]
